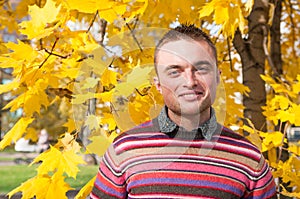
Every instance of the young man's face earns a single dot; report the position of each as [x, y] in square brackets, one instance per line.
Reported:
[187, 77]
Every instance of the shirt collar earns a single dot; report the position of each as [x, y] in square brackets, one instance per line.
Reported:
[166, 125]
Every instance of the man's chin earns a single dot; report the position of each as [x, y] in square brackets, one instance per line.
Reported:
[194, 110]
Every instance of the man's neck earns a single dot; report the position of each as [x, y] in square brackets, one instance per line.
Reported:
[190, 122]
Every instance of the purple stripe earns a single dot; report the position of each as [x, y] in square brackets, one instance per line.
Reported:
[185, 182]
[107, 189]
[267, 194]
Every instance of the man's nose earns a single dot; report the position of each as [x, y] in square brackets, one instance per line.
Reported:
[190, 78]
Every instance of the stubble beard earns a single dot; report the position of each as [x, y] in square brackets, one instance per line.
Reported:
[179, 109]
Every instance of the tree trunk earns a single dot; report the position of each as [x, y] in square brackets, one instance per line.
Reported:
[276, 65]
[275, 45]
[91, 110]
[253, 58]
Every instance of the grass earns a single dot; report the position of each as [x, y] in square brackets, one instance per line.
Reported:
[13, 176]
[6, 159]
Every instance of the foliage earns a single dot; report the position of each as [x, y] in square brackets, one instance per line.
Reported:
[12, 176]
[72, 54]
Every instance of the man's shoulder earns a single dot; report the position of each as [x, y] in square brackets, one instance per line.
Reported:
[236, 139]
[144, 130]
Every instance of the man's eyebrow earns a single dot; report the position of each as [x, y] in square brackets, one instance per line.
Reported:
[172, 67]
[202, 62]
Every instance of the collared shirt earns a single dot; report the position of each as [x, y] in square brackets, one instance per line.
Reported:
[205, 130]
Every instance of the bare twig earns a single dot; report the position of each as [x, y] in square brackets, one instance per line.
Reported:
[293, 26]
[134, 37]
[282, 141]
[52, 53]
[55, 42]
[92, 22]
[229, 54]
[4, 72]
[265, 47]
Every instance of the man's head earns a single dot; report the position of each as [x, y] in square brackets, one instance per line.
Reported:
[187, 74]
[188, 32]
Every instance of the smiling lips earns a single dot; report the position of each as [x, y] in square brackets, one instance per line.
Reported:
[191, 95]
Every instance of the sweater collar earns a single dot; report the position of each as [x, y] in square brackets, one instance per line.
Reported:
[207, 129]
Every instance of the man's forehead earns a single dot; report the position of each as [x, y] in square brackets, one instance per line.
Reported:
[190, 51]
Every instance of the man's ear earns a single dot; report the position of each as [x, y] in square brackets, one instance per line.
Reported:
[218, 76]
[157, 83]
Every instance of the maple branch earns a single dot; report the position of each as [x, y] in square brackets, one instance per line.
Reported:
[134, 37]
[51, 52]
[62, 92]
[229, 54]
[282, 142]
[92, 22]
[293, 26]
[102, 30]
[265, 48]
[5, 72]
[139, 92]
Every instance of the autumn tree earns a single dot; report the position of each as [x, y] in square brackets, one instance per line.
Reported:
[94, 61]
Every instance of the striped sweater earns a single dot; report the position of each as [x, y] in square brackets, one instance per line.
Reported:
[147, 163]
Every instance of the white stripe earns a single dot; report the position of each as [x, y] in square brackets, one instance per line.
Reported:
[118, 174]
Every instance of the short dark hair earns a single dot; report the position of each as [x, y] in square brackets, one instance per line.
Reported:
[186, 32]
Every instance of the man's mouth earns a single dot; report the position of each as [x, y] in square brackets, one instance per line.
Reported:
[191, 95]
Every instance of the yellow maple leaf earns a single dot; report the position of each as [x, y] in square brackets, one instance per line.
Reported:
[98, 145]
[90, 82]
[86, 190]
[294, 148]
[70, 125]
[9, 86]
[271, 139]
[110, 15]
[109, 77]
[31, 134]
[93, 122]
[37, 27]
[249, 5]
[108, 119]
[134, 79]
[221, 14]
[289, 194]
[68, 142]
[21, 51]
[206, 10]
[60, 161]
[94, 62]
[70, 162]
[105, 96]
[81, 98]
[89, 6]
[136, 9]
[227, 13]
[16, 132]
[296, 110]
[43, 186]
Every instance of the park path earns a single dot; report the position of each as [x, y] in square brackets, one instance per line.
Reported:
[13, 158]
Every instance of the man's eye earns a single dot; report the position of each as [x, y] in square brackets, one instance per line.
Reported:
[202, 69]
[173, 72]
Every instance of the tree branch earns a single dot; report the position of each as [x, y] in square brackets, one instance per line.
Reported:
[52, 53]
[92, 22]
[45, 60]
[229, 54]
[134, 37]
[5, 73]
[265, 47]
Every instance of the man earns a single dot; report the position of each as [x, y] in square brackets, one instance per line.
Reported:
[184, 152]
